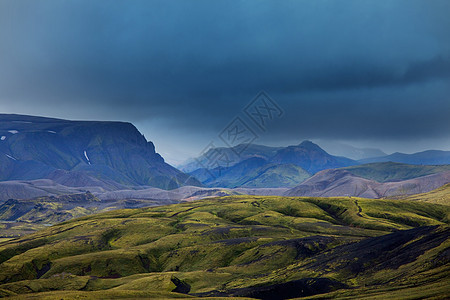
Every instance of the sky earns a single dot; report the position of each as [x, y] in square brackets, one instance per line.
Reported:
[367, 73]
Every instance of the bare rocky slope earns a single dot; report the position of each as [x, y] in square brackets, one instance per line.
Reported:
[336, 182]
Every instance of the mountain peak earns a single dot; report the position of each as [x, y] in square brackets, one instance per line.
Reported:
[310, 157]
[309, 145]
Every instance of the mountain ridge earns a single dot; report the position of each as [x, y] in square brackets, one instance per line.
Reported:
[427, 157]
[35, 147]
[281, 167]
[340, 182]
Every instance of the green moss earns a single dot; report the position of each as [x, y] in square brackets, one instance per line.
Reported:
[214, 244]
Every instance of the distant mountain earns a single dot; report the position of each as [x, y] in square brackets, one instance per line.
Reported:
[254, 173]
[310, 157]
[82, 153]
[429, 157]
[268, 167]
[229, 156]
[391, 171]
[337, 182]
[341, 149]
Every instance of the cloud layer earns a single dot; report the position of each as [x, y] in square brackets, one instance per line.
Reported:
[181, 70]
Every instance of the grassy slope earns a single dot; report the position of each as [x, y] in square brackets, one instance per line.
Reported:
[20, 217]
[438, 196]
[392, 171]
[216, 245]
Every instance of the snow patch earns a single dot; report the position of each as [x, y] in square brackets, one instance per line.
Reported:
[13, 131]
[9, 156]
[3, 138]
[51, 131]
[87, 158]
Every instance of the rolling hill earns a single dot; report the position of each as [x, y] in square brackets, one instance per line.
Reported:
[19, 217]
[391, 171]
[439, 196]
[338, 182]
[239, 246]
[82, 153]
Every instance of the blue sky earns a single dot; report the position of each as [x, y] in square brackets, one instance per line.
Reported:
[371, 73]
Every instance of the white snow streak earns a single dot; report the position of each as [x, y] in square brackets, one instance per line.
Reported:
[10, 157]
[87, 158]
[3, 138]
[13, 131]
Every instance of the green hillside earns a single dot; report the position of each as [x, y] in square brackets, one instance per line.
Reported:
[393, 171]
[246, 246]
[439, 196]
[273, 175]
[254, 172]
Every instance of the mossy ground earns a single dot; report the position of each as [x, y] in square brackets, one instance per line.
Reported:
[231, 243]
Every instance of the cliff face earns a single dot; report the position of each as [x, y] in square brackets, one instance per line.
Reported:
[80, 151]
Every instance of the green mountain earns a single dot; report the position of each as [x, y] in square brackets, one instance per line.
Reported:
[241, 246]
[82, 153]
[253, 173]
[392, 171]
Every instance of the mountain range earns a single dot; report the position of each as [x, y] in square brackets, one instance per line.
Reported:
[428, 157]
[343, 149]
[287, 167]
[269, 167]
[53, 157]
[84, 214]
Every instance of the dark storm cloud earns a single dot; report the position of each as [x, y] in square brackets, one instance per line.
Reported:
[343, 69]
